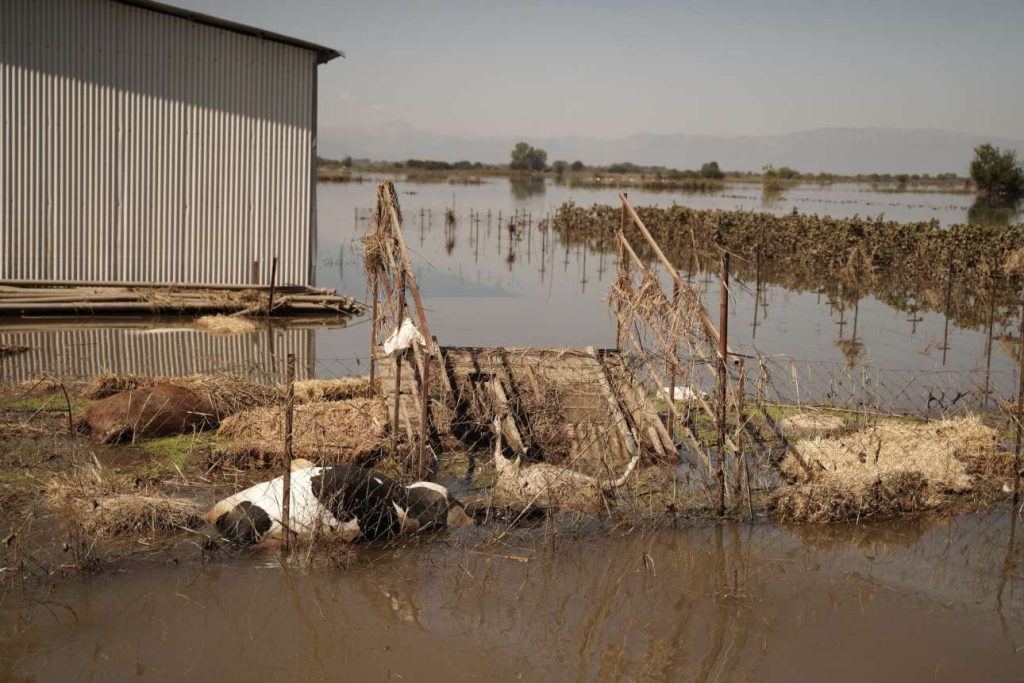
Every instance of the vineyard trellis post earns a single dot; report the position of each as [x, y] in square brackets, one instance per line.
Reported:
[679, 317]
[388, 267]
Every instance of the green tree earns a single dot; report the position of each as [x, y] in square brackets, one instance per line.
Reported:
[711, 170]
[527, 158]
[559, 168]
[997, 173]
[347, 162]
[577, 166]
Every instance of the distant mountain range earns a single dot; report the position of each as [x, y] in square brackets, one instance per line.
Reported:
[836, 150]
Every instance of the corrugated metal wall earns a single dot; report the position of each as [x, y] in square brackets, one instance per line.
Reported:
[87, 352]
[138, 146]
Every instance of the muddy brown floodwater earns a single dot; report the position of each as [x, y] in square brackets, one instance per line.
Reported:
[917, 599]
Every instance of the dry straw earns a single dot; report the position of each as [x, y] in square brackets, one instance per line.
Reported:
[106, 505]
[887, 469]
[332, 431]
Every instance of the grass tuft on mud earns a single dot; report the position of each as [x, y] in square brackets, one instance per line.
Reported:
[105, 504]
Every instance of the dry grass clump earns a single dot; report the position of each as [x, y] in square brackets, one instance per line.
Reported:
[812, 423]
[887, 469]
[831, 500]
[42, 384]
[106, 505]
[354, 430]
[1014, 263]
[314, 390]
[225, 324]
[228, 393]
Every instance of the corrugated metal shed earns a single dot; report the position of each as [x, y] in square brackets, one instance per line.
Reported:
[144, 143]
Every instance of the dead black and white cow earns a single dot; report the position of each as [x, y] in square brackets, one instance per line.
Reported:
[345, 501]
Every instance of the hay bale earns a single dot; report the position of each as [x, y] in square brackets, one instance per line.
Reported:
[225, 324]
[105, 505]
[888, 469]
[342, 389]
[354, 430]
[812, 423]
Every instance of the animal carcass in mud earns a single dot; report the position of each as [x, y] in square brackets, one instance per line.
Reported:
[149, 411]
[346, 502]
[549, 486]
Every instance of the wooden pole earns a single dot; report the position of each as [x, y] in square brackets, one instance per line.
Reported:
[723, 329]
[656, 248]
[672, 367]
[624, 269]
[289, 416]
[949, 298]
[1020, 411]
[741, 419]
[373, 332]
[273, 284]
[988, 345]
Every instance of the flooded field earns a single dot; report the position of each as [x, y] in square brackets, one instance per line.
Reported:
[545, 293]
[542, 292]
[928, 596]
[918, 599]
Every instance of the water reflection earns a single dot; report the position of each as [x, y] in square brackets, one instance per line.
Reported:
[985, 212]
[81, 348]
[503, 276]
[909, 599]
[526, 187]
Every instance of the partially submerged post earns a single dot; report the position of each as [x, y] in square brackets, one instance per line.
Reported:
[1019, 410]
[723, 350]
[289, 419]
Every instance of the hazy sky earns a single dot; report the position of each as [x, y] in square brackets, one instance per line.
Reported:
[609, 70]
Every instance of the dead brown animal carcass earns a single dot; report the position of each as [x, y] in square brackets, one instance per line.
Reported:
[149, 411]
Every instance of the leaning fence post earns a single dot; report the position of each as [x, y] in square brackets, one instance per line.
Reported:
[723, 350]
[289, 414]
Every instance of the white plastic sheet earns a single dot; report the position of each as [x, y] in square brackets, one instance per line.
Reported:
[403, 338]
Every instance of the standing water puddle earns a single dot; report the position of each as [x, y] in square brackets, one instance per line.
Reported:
[907, 600]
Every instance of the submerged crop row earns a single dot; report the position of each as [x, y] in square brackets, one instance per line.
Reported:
[909, 266]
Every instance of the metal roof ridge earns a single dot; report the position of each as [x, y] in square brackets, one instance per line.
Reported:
[324, 53]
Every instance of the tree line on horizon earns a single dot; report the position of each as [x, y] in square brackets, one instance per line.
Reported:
[997, 174]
